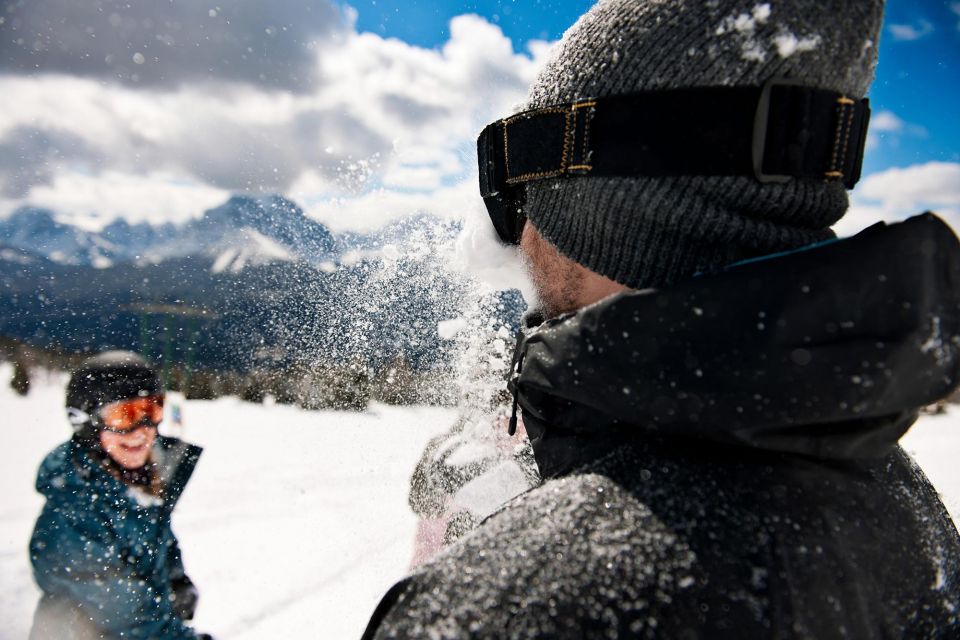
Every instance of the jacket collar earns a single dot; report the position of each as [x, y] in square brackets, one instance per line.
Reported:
[826, 352]
[72, 466]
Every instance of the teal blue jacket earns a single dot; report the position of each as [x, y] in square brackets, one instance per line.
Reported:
[103, 553]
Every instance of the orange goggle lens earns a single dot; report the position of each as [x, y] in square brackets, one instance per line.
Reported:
[128, 415]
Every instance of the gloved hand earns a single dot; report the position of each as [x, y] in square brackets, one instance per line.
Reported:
[185, 596]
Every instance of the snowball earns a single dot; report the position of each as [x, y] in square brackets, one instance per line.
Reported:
[448, 329]
[480, 254]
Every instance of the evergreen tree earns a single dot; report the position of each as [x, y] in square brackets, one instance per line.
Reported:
[21, 378]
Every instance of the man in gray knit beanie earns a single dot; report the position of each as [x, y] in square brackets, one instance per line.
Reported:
[645, 232]
[715, 398]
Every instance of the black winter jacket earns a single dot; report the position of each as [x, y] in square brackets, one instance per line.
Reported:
[721, 462]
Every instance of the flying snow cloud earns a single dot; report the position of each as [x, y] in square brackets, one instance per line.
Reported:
[280, 98]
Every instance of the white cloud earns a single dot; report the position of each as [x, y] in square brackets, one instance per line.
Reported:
[910, 32]
[382, 113]
[955, 8]
[886, 121]
[896, 194]
[887, 127]
[373, 209]
[407, 177]
[932, 182]
[92, 201]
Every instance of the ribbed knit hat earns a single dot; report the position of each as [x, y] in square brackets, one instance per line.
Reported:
[649, 232]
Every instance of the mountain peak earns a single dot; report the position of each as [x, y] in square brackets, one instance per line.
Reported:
[258, 227]
[33, 217]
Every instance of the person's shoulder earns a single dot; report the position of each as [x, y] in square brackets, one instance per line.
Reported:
[573, 547]
[59, 455]
[58, 472]
[590, 514]
[178, 447]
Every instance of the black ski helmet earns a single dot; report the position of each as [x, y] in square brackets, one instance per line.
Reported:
[105, 378]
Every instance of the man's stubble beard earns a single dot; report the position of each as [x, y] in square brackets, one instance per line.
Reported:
[557, 279]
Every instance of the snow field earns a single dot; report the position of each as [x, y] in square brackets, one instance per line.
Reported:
[295, 523]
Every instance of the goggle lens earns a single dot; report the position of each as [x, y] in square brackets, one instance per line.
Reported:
[124, 416]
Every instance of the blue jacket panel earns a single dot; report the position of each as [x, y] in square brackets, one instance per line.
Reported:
[103, 552]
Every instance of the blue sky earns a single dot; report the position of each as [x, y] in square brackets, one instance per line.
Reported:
[426, 24]
[918, 78]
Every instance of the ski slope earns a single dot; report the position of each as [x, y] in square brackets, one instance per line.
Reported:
[295, 522]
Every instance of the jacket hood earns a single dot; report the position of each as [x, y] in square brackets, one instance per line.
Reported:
[828, 351]
[69, 469]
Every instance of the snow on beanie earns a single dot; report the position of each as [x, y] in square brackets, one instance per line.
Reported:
[649, 232]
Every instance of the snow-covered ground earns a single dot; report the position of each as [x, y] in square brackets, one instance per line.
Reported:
[295, 522]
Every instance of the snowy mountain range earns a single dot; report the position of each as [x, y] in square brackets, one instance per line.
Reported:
[252, 283]
[242, 232]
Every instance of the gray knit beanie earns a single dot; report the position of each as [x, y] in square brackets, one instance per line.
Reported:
[648, 232]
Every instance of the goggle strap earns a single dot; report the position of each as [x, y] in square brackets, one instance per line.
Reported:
[78, 417]
[773, 133]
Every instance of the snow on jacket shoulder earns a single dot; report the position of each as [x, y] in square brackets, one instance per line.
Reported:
[103, 553]
[654, 541]
[721, 461]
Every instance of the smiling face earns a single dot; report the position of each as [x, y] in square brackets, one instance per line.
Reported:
[131, 449]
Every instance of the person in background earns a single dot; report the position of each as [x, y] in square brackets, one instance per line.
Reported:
[715, 396]
[102, 550]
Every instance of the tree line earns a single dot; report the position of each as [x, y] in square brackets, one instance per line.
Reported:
[310, 385]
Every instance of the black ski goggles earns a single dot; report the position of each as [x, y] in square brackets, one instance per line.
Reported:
[775, 133]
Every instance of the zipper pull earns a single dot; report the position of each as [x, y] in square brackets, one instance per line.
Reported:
[512, 425]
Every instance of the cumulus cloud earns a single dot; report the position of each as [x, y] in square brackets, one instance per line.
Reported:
[30, 156]
[383, 116]
[271, 44]
[909, 32]
[886, 125]
[94, 201]
[886, 121]
[899, 193]
[375, 208]
[932, 182]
